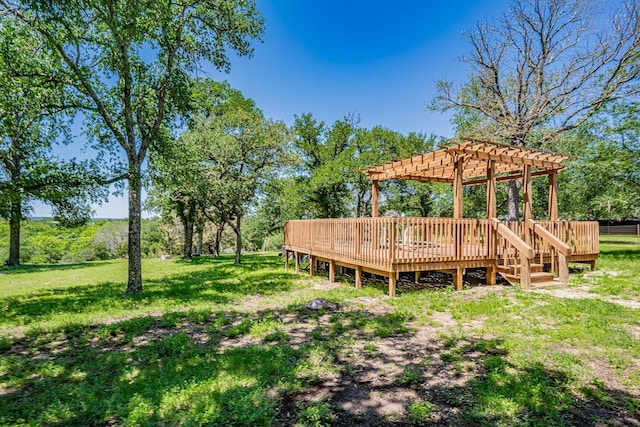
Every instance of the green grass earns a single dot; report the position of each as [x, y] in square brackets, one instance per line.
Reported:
[211, 343]
[619, 270]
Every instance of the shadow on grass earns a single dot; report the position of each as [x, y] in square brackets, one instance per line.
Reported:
[621, 253]
[222, 283]
[206, 368]
[36, 268]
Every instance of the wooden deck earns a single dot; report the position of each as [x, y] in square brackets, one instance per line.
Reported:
[387, 246]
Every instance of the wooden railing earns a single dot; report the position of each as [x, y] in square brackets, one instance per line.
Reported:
[383, 241]
[514, 251]
[559, 251]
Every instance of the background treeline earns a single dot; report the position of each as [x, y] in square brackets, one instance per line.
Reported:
[45, 240]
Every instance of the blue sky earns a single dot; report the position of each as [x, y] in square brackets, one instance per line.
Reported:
[377, 59]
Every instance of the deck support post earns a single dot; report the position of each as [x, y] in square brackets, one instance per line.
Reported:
[312, 265]
[332, 271]
[374, 198]
[491, 190]
[297, 257]
[417, 276]
[491, 275]
[553, 196]
[286, 259]
[457, 278]
[392, 284]
[358, 277]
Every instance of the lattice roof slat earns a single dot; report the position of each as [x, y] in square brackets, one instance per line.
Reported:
[439, 165]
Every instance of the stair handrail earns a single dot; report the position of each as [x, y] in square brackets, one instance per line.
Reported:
[526, 252]
[549, 237]
[563, 249]
[514, 239]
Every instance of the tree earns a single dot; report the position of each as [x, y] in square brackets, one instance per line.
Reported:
[609, 147]
[379, 145]
[215, 167]
[543, 68]
[240, 148]
[179, 186]
[324, 160]
[34, 112]
[129, 62]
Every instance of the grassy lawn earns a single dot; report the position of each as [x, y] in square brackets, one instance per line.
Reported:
[210, 343]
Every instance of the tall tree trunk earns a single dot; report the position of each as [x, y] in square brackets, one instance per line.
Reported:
[216, 242]
[188, 220]
[15, 209]
[187, 247]
[15, 219]
[265, 243]
[236, 228]
[513, 201]
[134, 285]
[200, 231]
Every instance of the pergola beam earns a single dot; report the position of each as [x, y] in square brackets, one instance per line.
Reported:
[511, 177]
[475, 162]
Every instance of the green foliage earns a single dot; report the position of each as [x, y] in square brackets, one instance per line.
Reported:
[316, 414]
[327, 182]
[216, 167]
[35, 110]
[603, 181]
[420, 412]
[411, 376]
[127, 66]
[47, 241]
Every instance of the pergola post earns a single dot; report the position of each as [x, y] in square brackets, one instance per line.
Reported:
[553, 195]
[526, 193]
[458, 205]
[374, 198]
[491, 190]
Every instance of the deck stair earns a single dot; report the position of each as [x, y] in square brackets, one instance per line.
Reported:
[539, 278]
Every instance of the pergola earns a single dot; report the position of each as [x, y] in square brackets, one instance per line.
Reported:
[474, 162]
[519, 250]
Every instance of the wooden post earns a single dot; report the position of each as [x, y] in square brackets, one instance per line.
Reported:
[458, 204]
[417, 276]
[563, 268]
[332, 271]
[526, 193]
[297, 257]
[491, 275]
[374, 198]
[312, 265]
[457, 278]
[286, 259]
[392, 284]
[491, 190]
[525, 272]
[553, 196]
[358, 277]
